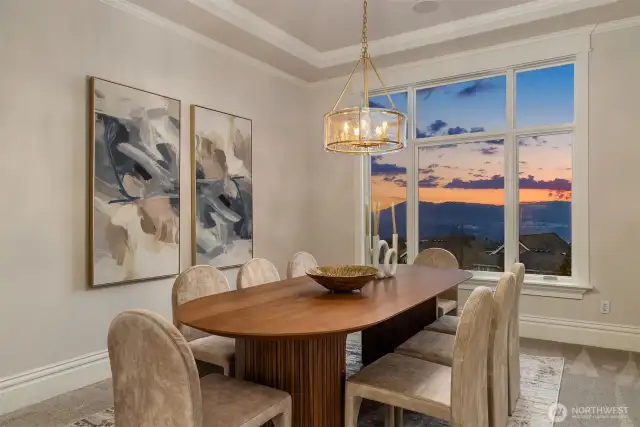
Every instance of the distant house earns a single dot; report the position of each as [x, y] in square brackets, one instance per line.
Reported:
[544, 253]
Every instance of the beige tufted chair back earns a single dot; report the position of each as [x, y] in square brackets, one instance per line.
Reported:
[436, 257]
[469, 397]
[196, 282]
[498, 365]
[439, 258]
[155, 380]
[514, 339]
[257, 272]
[300, 264]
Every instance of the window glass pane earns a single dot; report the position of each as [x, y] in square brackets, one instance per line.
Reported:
[381, 101]
[545, 204]
[461, 193]
[389, 188]
[544, 97]
[459, 108]
[389, 182]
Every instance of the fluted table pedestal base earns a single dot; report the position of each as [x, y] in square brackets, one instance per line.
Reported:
[311, 369]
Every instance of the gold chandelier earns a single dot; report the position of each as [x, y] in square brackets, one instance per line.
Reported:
[365, 130]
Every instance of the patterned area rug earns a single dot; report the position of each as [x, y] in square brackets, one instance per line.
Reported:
[540, 386]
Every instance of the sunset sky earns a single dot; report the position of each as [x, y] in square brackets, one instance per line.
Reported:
[474, 172]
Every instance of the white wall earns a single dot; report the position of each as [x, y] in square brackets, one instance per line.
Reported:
[614, 210]
[47, 50]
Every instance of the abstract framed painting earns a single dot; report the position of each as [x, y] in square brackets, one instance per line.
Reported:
[134, 184]
[221, 188]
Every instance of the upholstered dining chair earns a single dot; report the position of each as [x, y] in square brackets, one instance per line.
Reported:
[457, 394]
[439, 348]
[299, 264]
[449, 325]
[196, 282]
[156, 384]
[441, 258]
[514, 340]
[256, 272]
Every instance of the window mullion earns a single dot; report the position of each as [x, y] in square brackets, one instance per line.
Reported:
[511, 210]
[413, 237]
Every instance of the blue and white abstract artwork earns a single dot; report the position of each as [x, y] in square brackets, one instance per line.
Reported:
[222, 218]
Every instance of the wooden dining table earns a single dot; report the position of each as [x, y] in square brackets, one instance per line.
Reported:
[291, 334]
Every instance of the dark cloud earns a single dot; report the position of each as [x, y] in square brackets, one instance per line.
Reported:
[557, 185]
[424, 94]
[386, 168]
[487, 162]
[426, 171]
[494, 182]
[430, 181]
[477, 129]
[400, 182]
[489, 151]
[456, 131]
[437, 126]
[495, 142]
[522, 162]
[477, 87]
[448, 146]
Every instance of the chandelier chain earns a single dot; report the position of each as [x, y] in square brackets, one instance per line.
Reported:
[365, 42]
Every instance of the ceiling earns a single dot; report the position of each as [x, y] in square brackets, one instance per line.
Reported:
[332, 24]
[313, 40]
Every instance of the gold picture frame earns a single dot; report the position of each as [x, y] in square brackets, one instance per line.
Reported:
[121, 161]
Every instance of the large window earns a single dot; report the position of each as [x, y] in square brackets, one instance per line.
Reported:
[488, 173]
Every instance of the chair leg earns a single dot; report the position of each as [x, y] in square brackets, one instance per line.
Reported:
[351, 410]
[389, 416]
[283, 420]
[398, 414]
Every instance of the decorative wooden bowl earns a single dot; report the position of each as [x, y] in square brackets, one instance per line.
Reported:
[343, 278]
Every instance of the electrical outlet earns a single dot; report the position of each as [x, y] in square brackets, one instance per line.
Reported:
[605, 307]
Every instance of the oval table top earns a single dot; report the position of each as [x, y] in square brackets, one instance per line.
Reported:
[300, 307]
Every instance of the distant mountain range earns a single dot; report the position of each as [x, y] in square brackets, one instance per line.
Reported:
[480, 220]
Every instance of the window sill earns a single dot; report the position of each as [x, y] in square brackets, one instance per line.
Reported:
[540, 288]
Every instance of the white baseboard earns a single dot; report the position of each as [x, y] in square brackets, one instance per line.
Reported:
[43, 383]
[605, 335]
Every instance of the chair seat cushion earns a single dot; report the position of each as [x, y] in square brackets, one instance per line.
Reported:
[408, 383]
[214, 349]
[445, 325]
[446, 306]
[431, 346]
[227, 402]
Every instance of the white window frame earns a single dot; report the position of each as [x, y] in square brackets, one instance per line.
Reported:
[572, 287]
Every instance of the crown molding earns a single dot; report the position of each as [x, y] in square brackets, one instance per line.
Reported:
[617, 25]
[209, 43]
[535, 10]
[503, 18]
[572, 42]
[251, 23]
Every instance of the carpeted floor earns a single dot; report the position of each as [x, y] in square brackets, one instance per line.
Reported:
[592, 377]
